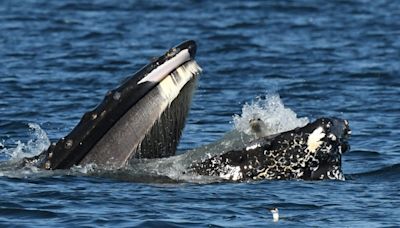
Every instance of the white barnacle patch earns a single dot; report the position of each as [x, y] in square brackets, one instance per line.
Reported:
[340, 176]
[314, 139]
[335, 174]
[215, 162]
[231, 173]
[332, 136]
[252, 147]
[328, 148]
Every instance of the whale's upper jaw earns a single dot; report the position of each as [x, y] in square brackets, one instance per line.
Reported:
[94, 125]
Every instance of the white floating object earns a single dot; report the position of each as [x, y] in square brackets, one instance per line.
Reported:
[275, 214]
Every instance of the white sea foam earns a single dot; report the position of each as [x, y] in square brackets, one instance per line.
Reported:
[272, 112]
[83, 169]
[37, 144]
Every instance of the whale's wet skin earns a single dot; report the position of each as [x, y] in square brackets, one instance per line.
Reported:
[310, 152]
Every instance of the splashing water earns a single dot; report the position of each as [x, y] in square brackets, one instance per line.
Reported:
[272, 112]
[39, 142]
[82, 169]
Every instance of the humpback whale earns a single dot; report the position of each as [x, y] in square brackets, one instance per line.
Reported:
[143, 119]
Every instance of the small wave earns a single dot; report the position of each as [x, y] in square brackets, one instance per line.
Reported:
[28, 213]
[388, 172]
[12, 169]
[171, 223]
[39, 142]
[296, 206]
[364, 153]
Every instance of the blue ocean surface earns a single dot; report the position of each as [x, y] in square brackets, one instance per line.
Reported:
[322, 58]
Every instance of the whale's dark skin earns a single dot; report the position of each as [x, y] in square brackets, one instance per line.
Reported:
[312, 152]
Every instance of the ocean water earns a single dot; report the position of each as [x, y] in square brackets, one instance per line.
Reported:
[322, 58]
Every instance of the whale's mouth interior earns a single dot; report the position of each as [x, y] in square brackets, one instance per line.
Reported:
[163, 137]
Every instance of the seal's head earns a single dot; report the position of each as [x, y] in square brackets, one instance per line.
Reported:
[258, 127]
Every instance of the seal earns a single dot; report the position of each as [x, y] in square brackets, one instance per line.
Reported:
[258, 127]
[312, 152]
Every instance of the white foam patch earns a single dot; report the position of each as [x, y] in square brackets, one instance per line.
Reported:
[83, 169]
[39, 142]
[272, 112]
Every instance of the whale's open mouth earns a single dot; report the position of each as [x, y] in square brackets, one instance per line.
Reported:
[142, 118]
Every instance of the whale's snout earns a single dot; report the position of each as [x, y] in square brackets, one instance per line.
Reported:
[341, 129]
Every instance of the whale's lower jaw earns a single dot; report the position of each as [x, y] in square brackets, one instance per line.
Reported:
[312, 152]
